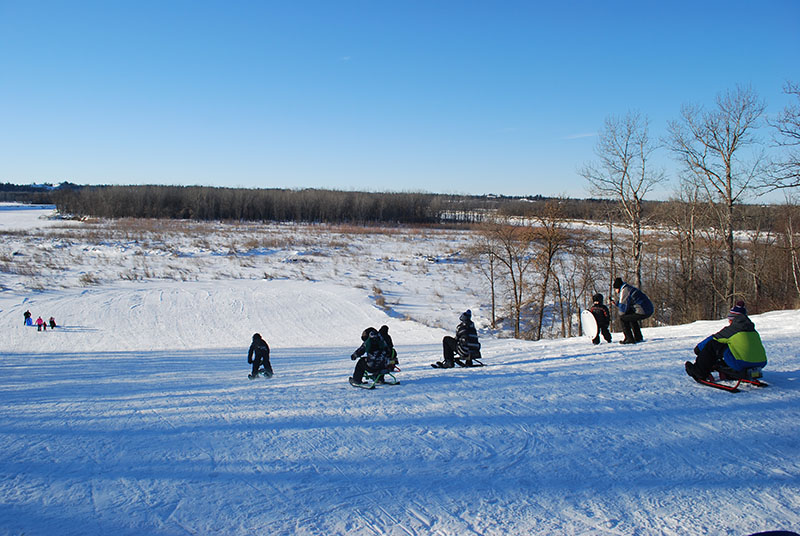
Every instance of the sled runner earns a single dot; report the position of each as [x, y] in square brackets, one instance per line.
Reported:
[729, 379]
[371, 379]
[589, 324]
[459, 362]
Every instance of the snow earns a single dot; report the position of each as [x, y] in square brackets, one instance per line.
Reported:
[136, 416]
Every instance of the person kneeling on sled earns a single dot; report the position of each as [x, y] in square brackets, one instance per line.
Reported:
[634, 306]
[602, 317]
[372, 355]
[258, 355]
[737, 345]
[465, 343]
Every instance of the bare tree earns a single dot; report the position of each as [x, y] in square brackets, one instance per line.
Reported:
[512, 249]
[785, 172]
[710, 145]
[486, 256]
[623, 173]
[550, 238]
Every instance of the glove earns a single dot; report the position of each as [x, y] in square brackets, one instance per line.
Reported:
[354, 356]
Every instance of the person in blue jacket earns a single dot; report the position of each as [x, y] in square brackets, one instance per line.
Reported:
[635, 306]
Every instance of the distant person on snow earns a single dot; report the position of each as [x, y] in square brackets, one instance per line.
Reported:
[52, 322]
[28, 321]
[737, 345]
[602, 317]
[258, 355]
[635, 306]
[465, 344]
[40, 324]
[372, 355]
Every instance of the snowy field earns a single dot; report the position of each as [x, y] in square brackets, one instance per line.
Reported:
[136, 415]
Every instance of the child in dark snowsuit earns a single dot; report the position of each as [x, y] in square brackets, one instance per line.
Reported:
[258, 355]
[602, 317]
[372, 355]
[465, 343]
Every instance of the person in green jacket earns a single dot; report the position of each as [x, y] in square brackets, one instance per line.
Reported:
[738, 345]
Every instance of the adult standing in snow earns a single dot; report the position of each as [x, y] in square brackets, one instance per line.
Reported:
[40, 324]
[52, 322]
[465, 344]
[27, 320]
[738, 345]
[635, 306]
[258, 355]
[372, 355]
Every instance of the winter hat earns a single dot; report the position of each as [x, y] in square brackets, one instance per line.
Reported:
[597, 298]
[256, 336]
[738, 309]
[466, 316]
[617, 283]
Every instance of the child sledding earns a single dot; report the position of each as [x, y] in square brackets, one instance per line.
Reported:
[735, 353]
[465, 344]
[376, 360]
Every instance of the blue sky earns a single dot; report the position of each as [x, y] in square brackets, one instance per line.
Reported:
[440, 96]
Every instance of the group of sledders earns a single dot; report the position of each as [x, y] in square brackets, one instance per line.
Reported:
[734, 353]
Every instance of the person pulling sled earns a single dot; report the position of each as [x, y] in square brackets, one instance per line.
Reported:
[465, 344]
[258, 356]
[735, 352]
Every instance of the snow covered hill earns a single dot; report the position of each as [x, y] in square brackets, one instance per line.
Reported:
[137, 417]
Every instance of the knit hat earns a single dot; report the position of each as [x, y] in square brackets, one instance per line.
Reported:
[465, 316]
[597, 298]
[738, 309]
[617, 283]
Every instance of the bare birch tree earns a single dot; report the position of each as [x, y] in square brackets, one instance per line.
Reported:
[623, 173]
[710, 146]
[785, 171]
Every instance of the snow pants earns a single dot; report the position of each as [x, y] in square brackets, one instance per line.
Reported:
[258, 361]
[362, 366]
[708, 352]
[449, 350]
[630, 326]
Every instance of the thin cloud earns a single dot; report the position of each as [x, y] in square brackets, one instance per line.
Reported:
[580, 136]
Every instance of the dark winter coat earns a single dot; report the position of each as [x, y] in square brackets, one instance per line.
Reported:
[375, 352]
[260, 349]
[467, 340]
[601, 315]
[633, 300]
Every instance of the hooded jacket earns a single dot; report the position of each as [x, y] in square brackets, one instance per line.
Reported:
[745, 349]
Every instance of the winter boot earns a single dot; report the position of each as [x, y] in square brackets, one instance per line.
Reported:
[637, 332]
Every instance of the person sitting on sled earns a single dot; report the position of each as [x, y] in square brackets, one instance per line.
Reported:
[258, 355]
[465, 343]
[372, 355]
[602, 317]
[634, 306]
[384, 333]
[737, 345]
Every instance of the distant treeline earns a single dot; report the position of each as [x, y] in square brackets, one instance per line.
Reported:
[206, 203]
